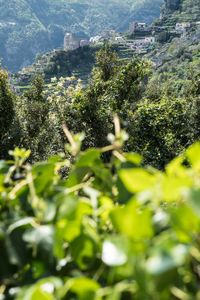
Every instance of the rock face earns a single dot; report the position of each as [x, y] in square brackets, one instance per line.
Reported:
[172, 5]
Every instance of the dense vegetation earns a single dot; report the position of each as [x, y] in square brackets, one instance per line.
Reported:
[59, 63]
[94, 220]
[109, 231]
[160, 120]
[29, 27]
[183, 11]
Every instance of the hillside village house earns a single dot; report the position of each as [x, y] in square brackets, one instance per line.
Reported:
[95, 39]
[142, 42]
[182, 27]
[84, 43]
[72, 43]
[137, 26]
[150, 39]
[119, 39]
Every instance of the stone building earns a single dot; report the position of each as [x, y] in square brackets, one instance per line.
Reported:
[71, 42]
[140, 28]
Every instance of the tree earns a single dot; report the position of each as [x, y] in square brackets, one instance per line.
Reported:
[106, 63]
[7, 113]
[116, 86]
[35, 93]
[161, 130]
[128, 85]
[33, 115]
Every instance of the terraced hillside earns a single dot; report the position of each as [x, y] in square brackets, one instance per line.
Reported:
[187, 11]
[58, 63]
[182, 52]
[178, 60]
[28, 27]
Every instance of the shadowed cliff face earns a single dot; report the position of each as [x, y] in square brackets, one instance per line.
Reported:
[172, 5]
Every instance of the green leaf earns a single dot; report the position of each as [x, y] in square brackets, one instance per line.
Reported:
[44, 290]
[185, 222]
[89, 158]
[83, 287]
[137, 180]
[193, 155]
[166, 260]
[43, 174]
[84, 250]
[41, 239]
[134, 158]
[133, 221]
[76, 176]
[174, 187]
[194, 200]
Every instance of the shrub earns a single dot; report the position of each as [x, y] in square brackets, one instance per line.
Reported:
[108, 231]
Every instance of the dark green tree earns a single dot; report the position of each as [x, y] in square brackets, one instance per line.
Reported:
[106, 63]
[7, 113]
[161, 130]
[116, 86]
[35, 93]
[33, 115]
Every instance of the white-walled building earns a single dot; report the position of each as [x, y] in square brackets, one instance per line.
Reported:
[119, 39]
[150, 39]
[95, 39]
[182, 27]
[143, 42]
[84, 43]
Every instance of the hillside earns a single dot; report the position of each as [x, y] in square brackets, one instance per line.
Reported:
[29, 27]
[168, 52]
[100, 177]
[61, 63]
[78, 63]
[178, 59]
[183, 11]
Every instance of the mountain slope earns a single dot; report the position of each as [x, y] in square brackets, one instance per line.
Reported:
[177, 62]
[28, 27]
[184, 11]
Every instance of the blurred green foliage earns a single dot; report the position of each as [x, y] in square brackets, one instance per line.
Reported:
[108, 231]
[94, 221]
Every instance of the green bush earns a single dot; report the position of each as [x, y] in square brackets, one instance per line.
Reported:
[163, 129]
[107, 231]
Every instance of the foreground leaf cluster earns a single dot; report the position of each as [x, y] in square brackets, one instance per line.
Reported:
[108, 231]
